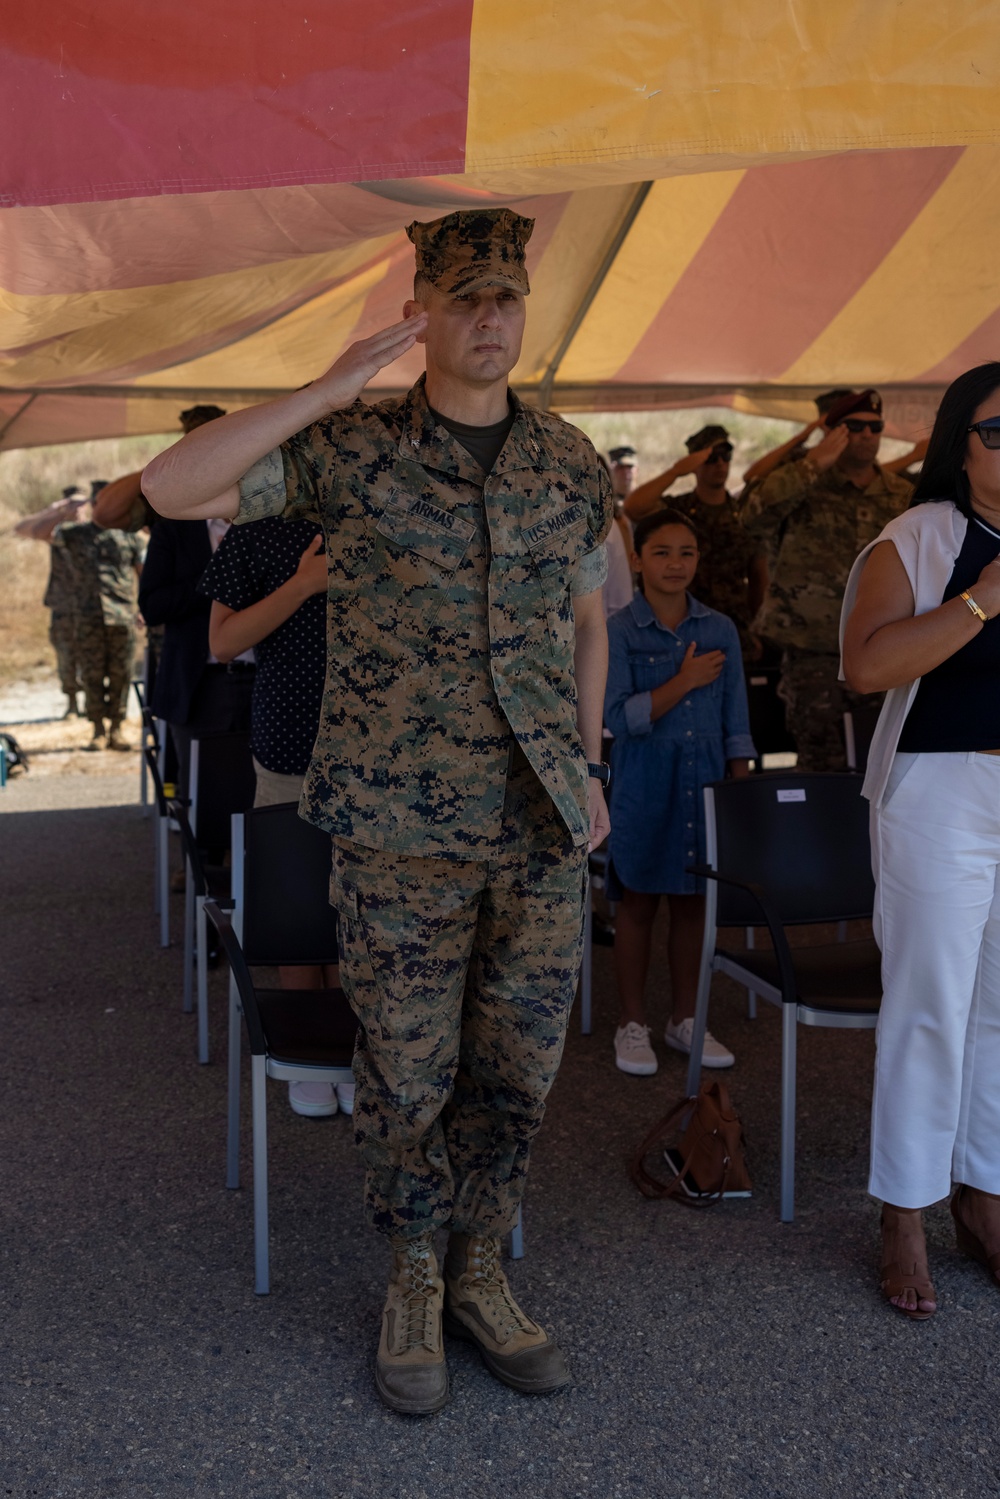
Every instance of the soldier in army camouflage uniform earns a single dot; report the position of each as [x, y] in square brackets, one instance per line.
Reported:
[105, 565]
[455, 763]
[732, 565]
[815, 515]
[60, 598]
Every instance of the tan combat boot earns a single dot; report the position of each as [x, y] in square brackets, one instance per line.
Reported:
[97, 743]
[410, 1372]
[116, 739]
[480, 1307]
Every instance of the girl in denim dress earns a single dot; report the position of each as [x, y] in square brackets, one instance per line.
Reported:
[676, 704]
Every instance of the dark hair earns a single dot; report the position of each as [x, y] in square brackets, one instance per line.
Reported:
[942, 476]
[653, 522]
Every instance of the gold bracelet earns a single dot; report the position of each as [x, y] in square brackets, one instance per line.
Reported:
[974, 606]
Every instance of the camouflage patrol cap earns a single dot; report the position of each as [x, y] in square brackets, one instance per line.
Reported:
[625, 456]
[706, 437]
[197, 416]
[473, 248]
[854, 403]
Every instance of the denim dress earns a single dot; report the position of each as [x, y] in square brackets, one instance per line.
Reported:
[659, 769]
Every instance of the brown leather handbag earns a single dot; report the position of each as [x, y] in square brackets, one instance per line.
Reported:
[707, 1162]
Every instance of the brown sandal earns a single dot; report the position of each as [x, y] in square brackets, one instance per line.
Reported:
[895, 1280]
[969, 1243]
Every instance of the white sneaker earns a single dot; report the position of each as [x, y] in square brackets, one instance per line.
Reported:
[345, 1097]
[633, 1052]
[714, 1054]
[314, 1100]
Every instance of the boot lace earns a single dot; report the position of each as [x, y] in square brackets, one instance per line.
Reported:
[417, 1278]
[484, 1261]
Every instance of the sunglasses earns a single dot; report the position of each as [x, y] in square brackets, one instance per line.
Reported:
[721, 453]
[854, 425]
[989, 432]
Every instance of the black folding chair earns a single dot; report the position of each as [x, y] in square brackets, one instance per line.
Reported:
[282, 917]
[147, 740]
[767, 714]
[222, 782]
[154, 758]
[789, 849]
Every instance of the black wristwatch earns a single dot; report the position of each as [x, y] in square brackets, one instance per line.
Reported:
[600, 773]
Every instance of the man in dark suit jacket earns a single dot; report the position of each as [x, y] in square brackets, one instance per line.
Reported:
[194, 693]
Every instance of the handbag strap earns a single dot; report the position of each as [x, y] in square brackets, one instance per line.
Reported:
[650, 1185]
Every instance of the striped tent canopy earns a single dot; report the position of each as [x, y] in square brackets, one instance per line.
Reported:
[736, 204]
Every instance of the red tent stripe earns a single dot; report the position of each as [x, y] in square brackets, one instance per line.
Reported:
[151, 99]
[795, 242]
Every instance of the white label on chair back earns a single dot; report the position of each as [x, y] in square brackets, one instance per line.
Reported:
[797, 795]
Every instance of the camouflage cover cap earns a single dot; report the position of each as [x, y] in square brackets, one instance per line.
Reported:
[197, 416]
[706, 437]
[474, 248]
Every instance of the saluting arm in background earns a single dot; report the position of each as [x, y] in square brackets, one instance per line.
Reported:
[783, 490]
[649, 496]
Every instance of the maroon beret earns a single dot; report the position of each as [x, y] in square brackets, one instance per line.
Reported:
[855, 403]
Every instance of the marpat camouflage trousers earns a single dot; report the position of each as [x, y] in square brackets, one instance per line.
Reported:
[105, 654]
[815, 703]
[62, 633]
[462, 974]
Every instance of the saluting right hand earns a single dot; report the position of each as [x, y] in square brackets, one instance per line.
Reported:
[699, 671]
[691, 461]
[825, 454]
[347, 376]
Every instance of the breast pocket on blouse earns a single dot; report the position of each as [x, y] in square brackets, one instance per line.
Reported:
[417, 548]
[555, 543]
[650, 669]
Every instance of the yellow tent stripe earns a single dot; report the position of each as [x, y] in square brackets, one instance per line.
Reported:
[561, 277]
[561, 84]
[93, 332]
[675, 218]
[295, 348]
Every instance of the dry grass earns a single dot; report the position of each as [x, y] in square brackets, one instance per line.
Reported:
[30, 479]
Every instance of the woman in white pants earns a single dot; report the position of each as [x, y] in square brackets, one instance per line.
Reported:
[919, 621]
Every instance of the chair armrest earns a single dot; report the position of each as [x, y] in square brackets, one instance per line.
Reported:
[782, 952]
[241, 973]
[176, 806]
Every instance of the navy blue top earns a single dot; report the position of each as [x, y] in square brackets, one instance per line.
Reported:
[659, 768]
[250, 563]
[957, 706]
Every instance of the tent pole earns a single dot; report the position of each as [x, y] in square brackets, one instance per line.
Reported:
[18, 413]
[611, 255]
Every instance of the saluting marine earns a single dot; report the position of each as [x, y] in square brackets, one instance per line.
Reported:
[105, 566]
[456, 764]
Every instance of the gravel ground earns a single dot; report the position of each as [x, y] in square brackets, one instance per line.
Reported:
[721, 1353]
